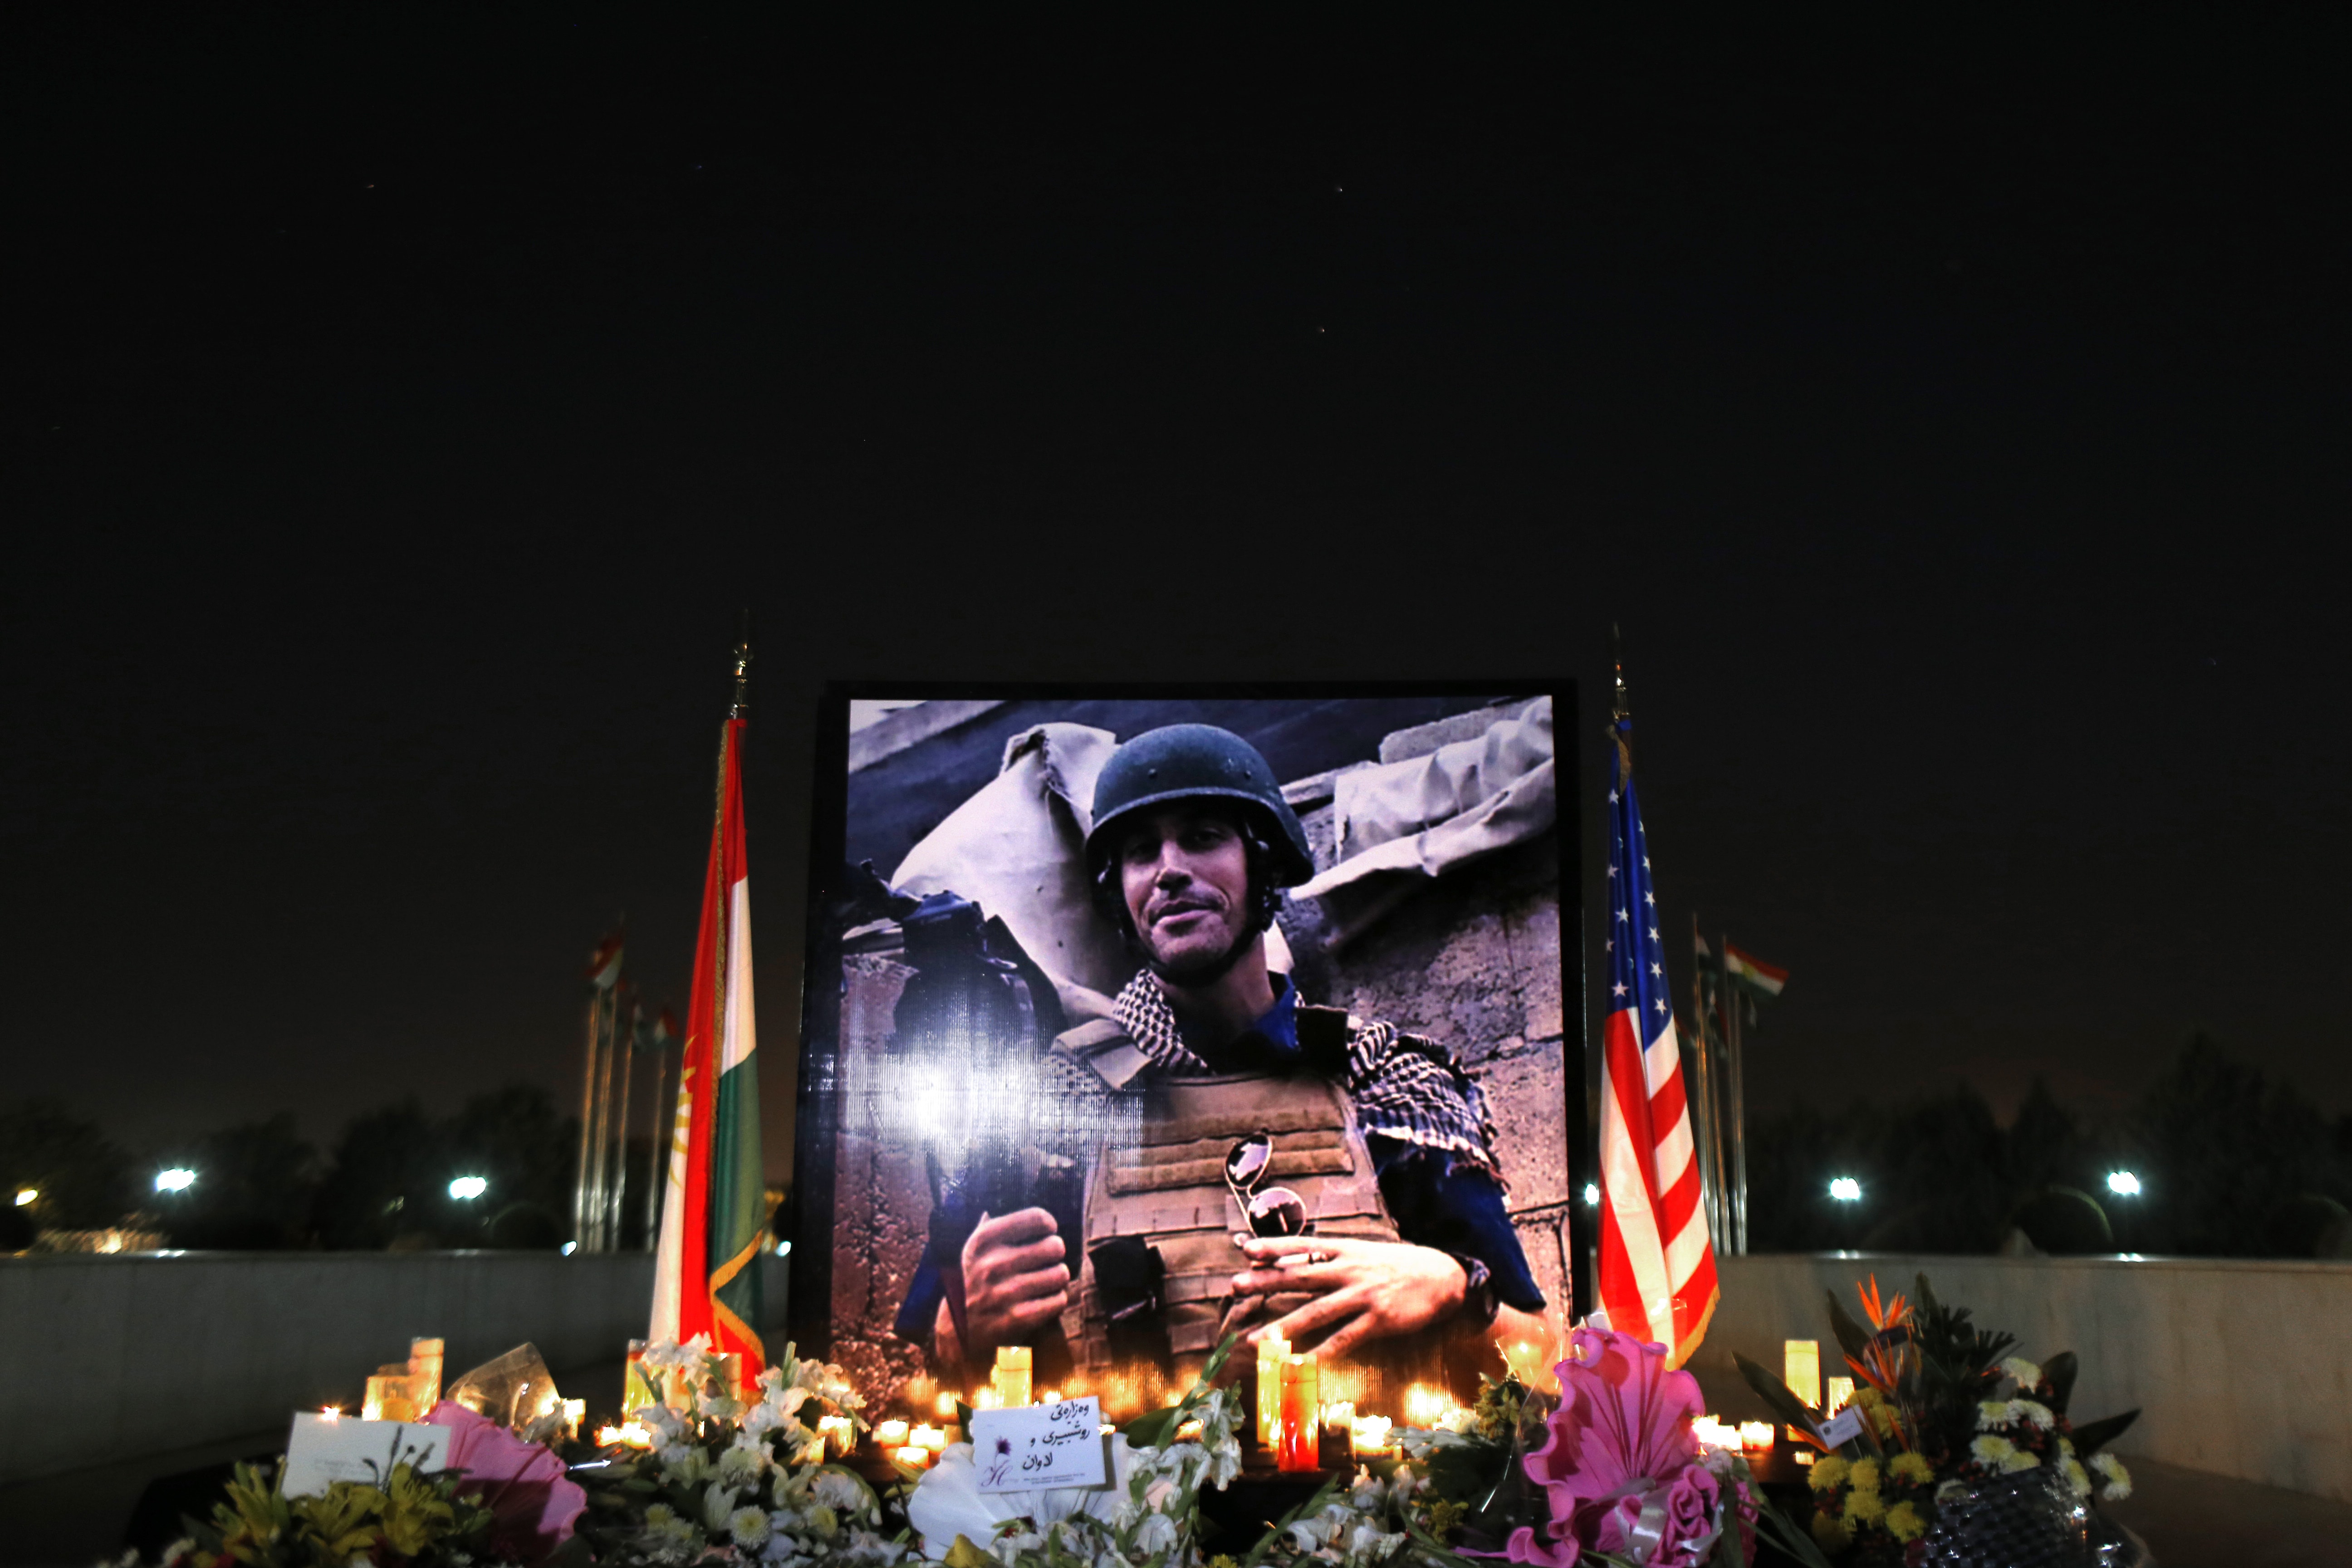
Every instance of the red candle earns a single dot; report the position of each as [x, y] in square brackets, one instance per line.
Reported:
[1302, 1415]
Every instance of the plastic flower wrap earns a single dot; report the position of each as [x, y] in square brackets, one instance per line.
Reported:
[533, 1505]
[1621, 1467]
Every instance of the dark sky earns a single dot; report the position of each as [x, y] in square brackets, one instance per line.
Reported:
[1950, 406]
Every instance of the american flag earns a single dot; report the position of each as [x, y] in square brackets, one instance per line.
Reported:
[1657, 1269]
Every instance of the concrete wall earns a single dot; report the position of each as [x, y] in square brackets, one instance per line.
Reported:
[111, 1358]
[2239, 1368]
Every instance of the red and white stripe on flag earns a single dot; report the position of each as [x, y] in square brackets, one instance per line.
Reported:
[1657, 1264]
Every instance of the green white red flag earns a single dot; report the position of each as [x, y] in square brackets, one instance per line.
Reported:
[1752, 971]
[706, 1273]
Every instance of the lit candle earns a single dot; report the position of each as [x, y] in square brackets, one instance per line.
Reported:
[1270, 1352]
[1841, 1396]
[930, 1438]
[1424, 1405]
[1189, 1432]
[1340, 1415]
[1051, 1396]
[944, 1406]
[1016, 1364]
[1800, 1369]
[1302, 1379]
[1368, 1436]
[1755, 1437]
[891, 1434]
[575, 1411]
[986, 1399]
[331, 1412]
[838, 1434]
[914, 1459]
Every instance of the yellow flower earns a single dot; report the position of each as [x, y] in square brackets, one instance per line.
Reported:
[1864, 1508]
[1865, 1474]
[1833, 1536]
[1911, 1468]
[2020, 1461]
[964, 1554]
[1829, 1473]
[1904, 1523]
[1868, 1397]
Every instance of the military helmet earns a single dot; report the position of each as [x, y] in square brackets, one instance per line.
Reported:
[1188, 761]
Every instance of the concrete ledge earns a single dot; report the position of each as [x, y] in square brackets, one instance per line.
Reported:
[114, 1357]
[2238, 1368]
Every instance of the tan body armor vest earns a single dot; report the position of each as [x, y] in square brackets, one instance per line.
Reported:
[1168, 1187]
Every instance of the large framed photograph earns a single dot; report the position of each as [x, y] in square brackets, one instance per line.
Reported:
[1139, 1016]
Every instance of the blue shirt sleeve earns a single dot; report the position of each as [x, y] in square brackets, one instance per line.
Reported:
[1460, 1210]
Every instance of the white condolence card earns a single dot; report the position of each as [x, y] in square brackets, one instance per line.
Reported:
[319, 1452]
[1035, 1446]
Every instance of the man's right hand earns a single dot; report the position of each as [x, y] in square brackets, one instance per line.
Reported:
[1015, 1280]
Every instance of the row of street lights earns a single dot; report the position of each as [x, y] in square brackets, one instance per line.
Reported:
[2123, 1183]
[179, 1180]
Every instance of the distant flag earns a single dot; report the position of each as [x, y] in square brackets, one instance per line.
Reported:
[706, 1279]
[1752, 971]
[605, 963]
[1657, 1267]
[656, 1034]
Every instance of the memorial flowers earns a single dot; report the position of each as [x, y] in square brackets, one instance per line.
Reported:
[1949, 1423]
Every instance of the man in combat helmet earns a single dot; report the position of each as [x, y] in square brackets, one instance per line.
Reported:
[1293, 1169]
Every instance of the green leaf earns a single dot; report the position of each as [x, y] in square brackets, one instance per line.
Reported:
[1790, 1537]
[1150, 1429]
[2092, 1436]
[1792, 1410]
[1312, 1505]
[1852, 1337]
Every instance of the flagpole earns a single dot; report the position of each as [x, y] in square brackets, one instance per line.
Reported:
[579, 1176]
[593, 1240]
[657, 1157]
[1703, 1097]
[625, 1054]
[1739, 1117]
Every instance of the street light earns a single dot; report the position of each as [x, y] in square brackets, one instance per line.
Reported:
[25, 1195]
[469, 1187]
[175, 1181]
[2123, 1183]
[1591, 1195]
[1846, 1190]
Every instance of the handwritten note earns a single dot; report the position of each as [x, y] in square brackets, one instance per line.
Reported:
[1843, 1427]
[1040, 1446]
[319, 1452]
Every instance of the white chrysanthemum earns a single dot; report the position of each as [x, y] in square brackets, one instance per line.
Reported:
[2020, 1461]
[2033, 1414]
[1989, 1449]
[2111, 1470]
[1368, 1544]
[749, 1526]
[2027, 1374]
[1992, 1412]
[1952, 1491]
[2078, 1479]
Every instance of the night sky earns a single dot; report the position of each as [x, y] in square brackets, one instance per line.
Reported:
[400, 405]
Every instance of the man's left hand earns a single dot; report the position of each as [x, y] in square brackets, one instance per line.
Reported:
[1362, 1289]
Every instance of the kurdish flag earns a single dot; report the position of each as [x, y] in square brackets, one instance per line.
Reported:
[1764, 979]
[706, 1278]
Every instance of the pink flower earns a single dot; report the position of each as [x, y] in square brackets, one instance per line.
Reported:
[533, 1502]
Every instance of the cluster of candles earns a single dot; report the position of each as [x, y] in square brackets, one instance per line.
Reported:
[917, 1447]
[1753, 1438]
